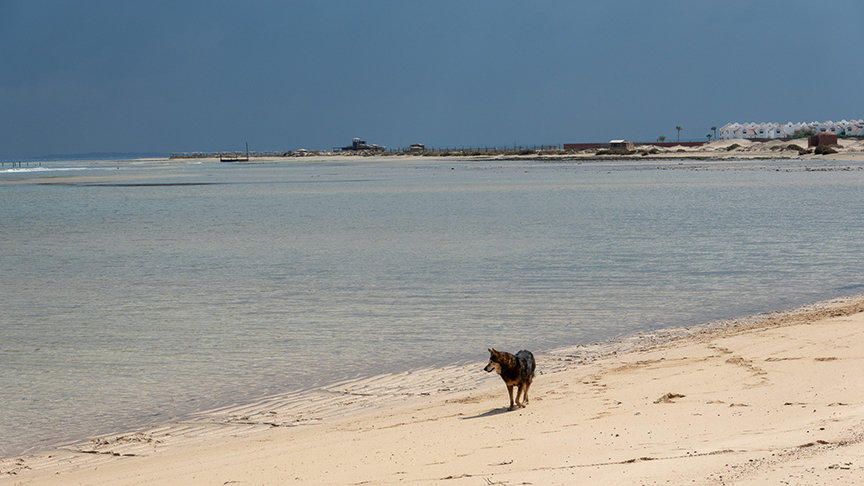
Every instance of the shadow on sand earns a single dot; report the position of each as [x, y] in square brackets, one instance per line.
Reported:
[490, 413]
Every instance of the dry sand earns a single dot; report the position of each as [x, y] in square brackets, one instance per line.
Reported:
[774, 399]
[846, 149]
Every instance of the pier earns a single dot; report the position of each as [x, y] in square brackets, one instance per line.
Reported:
[219, 155]
[14, 164]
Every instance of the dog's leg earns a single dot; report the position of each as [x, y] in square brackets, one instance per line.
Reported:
[520, 392]
[510, 392]
[525, 394]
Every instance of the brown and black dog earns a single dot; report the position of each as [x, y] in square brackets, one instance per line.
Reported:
[515, 370]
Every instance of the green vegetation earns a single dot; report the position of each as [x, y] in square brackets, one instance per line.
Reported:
[801, 150]
[733, 147]
[803, 133]
[824, 150]
[616, 151]
[646, 152]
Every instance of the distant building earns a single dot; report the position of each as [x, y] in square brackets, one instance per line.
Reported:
[822, 138]
[621, 145]
[771, 130]
[417, 148]
[358, 145]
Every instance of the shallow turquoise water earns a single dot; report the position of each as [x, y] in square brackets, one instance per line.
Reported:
[134, 293]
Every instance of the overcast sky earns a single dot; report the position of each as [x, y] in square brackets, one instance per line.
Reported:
[169, 76]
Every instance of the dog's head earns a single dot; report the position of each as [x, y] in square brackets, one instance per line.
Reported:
[494, 362]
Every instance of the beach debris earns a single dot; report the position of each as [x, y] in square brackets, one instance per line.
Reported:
[461, 476]
[490, 482]
[107, 453]
[17, 465]
[812, 444]
[129, 445]
[638, 459]
[669, 398]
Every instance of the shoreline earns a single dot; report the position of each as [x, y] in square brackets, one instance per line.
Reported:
[851, 150]
[852, 155]
[376, 402]
[717, 150]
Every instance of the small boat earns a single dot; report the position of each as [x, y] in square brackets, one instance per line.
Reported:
[236, 156]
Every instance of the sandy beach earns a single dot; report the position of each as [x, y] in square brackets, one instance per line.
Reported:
[770, 399]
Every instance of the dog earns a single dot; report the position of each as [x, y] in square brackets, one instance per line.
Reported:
[516, 370]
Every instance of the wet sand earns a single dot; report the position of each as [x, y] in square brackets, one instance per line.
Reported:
[771, 399]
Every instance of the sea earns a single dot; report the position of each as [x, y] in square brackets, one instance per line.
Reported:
[138, 292]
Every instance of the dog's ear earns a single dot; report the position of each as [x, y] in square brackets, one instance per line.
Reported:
[492, 351]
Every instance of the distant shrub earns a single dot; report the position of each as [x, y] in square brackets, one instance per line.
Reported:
[732, 147]
[615, 152]
[824, 150]
[803, 133]
[801, 150]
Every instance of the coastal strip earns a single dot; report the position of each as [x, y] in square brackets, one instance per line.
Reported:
[763, 399]
[726, 149]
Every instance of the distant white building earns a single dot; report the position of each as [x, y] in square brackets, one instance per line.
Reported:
[785, 130]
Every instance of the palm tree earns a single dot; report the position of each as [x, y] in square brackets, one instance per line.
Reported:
[714, 129]
[661, 139]
[679, 132]
[708, 137]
